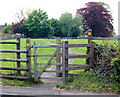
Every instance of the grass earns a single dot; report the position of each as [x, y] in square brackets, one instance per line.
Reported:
[22, 83]
[88, 82]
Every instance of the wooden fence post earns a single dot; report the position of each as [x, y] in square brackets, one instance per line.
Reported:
[91, 53]
[18, 36]
[28, 56]
[89, 36]
[35, 62]
[58, 58]
[65, 61]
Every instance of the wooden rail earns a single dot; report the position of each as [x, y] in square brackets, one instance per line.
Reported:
[18, 60]
[78, 56]
[57, 64]
[13, 60]
[13, 68]
[13, 51]
[79, 45]
[9, 42]
[59, 71]
[13, 77]
[104, 38]
[46, 46]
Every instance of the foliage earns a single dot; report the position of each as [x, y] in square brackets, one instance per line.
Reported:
[74, 31]
[7, 29]
[106, 54]
[55, 24]
[19, 27]
[38, 24]
[106, 6]
[88, 82]
[115, 63]
[97, 18]
[67, 20]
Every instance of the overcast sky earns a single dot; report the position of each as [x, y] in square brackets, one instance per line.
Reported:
[54, 8]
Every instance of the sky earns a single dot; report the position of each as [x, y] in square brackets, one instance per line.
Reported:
[54, 8]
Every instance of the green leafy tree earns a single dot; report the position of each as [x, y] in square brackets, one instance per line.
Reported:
[38, 24]
[74, 31]
[77, 20]
[55, 24]
[65, 21]
[7, 29]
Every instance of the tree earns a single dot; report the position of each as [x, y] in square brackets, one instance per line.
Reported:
[7, 29]
[74, 31]
[19, 25]
[55, 24]
[77, 20]
[96, 18]
[67, 20]
[37, 24]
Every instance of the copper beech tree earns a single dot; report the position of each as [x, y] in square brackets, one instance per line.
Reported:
[96, 18]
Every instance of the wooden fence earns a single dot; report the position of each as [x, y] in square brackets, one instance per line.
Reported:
[18, 60]
[64, 63]
[66, 56]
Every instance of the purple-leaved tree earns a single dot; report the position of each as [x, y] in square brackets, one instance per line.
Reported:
[96, 18]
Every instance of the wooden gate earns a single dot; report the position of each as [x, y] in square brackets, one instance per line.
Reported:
[38, 73]
[64, 63]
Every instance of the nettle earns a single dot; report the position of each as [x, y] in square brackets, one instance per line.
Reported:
[106, 60]
[115, 73]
